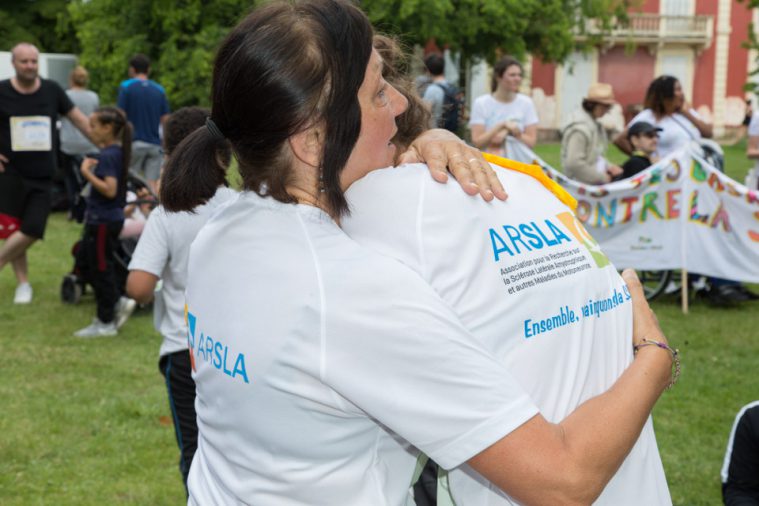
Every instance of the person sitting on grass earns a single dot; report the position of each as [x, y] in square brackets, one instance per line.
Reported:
[104, 218]
[644, 138]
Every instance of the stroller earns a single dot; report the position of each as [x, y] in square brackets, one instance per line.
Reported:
[74, 284]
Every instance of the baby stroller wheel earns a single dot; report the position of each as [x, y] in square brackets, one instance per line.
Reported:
[71, 289]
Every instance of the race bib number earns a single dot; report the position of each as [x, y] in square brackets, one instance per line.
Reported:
[31, 133]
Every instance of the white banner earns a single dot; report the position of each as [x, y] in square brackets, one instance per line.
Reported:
[678, 213]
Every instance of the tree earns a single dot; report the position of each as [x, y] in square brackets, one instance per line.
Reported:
[44, 23]
[180, 37]
[482, 28]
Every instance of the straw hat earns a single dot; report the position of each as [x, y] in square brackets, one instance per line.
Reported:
[601, 93]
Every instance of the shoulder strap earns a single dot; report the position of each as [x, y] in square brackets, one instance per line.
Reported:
[684, 128]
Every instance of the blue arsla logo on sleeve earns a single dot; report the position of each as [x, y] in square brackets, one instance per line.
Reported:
[214, 352]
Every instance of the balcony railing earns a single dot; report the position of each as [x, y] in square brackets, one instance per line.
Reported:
[660, 29]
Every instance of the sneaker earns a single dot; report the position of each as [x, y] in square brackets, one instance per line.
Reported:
[124, 309]
[23, 294]
[97, 329]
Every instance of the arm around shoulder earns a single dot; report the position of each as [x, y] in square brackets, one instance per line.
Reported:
[572, 461]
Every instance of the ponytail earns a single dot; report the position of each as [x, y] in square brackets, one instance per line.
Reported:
[193, 172]
[122, 130]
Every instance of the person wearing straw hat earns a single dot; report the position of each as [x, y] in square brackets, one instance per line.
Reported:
[584, 140]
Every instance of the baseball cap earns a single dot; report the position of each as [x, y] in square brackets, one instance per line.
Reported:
[642, 127]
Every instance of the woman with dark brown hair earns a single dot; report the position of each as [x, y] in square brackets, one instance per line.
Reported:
[320, 365]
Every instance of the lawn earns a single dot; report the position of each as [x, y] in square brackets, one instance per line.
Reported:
[86, 421]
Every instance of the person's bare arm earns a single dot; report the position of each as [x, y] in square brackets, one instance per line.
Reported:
[752, 150]
[482, 138]
[439, 148]
[529, 137]
[704, 128]
[108, 186]
[571, 462]
[140, 286]
[3, 161]
[81, 122]
[623, 144]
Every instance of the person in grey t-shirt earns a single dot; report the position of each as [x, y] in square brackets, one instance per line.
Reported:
[74, 145]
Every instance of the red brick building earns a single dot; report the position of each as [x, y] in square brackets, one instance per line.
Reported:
[697, 41]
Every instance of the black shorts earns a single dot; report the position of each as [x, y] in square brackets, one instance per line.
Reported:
[29, 200]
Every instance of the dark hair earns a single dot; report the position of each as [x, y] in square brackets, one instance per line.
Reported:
[435, 64]
[500, 67]
[588, 105]
[659, 93]
[286, 66]
[416, 118]
[184, 121]
[140, 63]
[122, 129]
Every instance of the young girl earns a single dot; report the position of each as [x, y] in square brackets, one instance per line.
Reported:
[104, 218]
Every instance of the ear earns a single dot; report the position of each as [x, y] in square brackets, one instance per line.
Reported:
[307, 145]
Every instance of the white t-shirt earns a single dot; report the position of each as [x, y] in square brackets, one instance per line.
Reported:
[163, 250]
[316, 358]
[488, 111]
[525, 278]
[677, 130]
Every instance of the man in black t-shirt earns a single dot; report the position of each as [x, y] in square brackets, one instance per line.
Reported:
[644, 138]
[29, 109]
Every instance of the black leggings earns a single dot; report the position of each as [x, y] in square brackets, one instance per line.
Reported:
[95, 261]
[177, 370]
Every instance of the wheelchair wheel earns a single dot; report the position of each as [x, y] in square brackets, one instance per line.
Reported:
[71, 289]
[654, 282]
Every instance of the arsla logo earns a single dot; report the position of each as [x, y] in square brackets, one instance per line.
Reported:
[213, 352]
[189, 320]
[583, 237]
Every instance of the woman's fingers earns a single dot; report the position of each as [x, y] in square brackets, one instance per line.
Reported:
[645, 323]
[442, 151]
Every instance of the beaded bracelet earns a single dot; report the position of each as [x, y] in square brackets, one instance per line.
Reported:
[675, 357]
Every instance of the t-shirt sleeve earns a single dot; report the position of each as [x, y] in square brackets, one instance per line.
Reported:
[402, 357]
[531, 114]
[121, 101]
[64, 102]
[109, 164]
[478, 112]
[152, 252]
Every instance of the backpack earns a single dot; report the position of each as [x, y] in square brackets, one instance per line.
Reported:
[453, 107]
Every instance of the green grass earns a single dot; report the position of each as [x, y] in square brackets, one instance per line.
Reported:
[83, 421]
[736, 163]
[87, 421]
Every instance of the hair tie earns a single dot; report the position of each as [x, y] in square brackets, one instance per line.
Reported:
[215, 132]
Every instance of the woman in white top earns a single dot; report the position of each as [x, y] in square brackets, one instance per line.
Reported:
[320, 365]
[666, 108]
[505, 112]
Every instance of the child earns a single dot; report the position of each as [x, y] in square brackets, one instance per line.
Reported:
[644, 138]
[163, 253]
[104, 217]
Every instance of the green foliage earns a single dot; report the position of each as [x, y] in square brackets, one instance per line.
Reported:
[179, 37]
[483, 28]
[44, 23]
